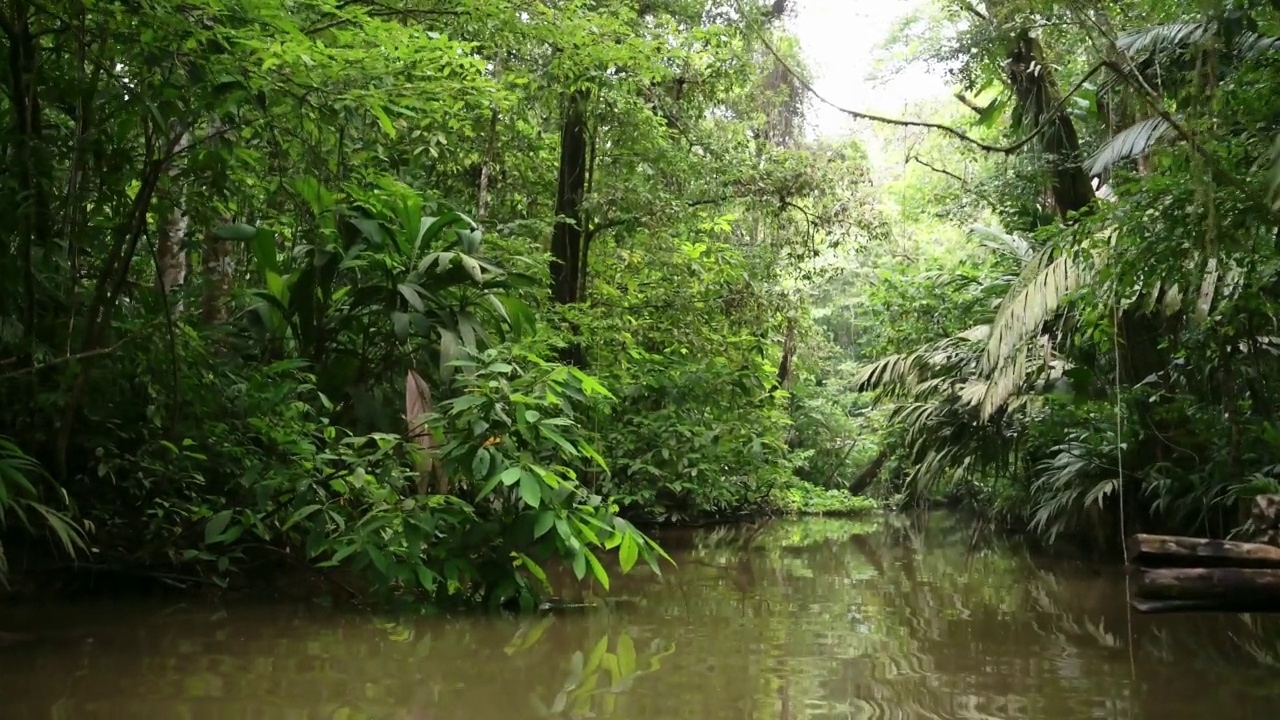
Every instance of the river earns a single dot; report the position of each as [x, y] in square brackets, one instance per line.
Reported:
[820, 618]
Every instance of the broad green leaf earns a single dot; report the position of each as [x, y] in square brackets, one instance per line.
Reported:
[628, 553]
[426, 578]
[236, 232]
[385, 122]
[263, 247]
[546, 519]
[411, 296]
[217, 524]
[597, 569]
[511, 475]
[626, 653]
[480, 464]
[400, 324]
[534, 569]
[530, 489]
[596, 655]
[298, 516]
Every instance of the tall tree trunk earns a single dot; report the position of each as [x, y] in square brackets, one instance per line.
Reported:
[1038, 106]
[26, 129]
[566, 237]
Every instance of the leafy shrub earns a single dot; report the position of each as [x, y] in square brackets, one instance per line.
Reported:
[805, 498]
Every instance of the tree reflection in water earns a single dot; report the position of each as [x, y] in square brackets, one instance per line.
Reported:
[900, 618]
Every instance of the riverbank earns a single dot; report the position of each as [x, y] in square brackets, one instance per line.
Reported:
[37, 574]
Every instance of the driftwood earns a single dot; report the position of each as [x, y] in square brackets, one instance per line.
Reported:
[1220, 584]
[1218, 589]
[1184, 574]
[1159, 607]
[1163, 551]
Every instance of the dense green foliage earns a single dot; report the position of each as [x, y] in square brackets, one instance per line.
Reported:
[1097, 352]
[434, 295]
[302, 284]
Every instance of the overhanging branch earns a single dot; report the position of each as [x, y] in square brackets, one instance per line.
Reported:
[1045, 122]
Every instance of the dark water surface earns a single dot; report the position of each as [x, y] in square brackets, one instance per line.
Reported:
[897, 618]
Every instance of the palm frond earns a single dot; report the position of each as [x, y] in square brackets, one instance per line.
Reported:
[1208, 288]
[900, 374]
[1164, 39]
[1026, 309]
[1133, 141]
[19, 500]
[1004, 382]
[1251, 44]
[1002, 242]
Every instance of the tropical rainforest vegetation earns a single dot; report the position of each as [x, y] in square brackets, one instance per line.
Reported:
[1092, 347]
[426, 294]
[429, 295]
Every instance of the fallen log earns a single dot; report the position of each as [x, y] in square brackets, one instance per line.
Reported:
[1160, 607]
[1170, 551]
[1210, 587]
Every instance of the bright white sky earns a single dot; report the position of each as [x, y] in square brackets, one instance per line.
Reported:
[839, 38]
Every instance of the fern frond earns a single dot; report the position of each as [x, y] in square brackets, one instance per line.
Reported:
[1133, 141]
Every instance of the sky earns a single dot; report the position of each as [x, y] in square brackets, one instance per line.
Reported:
[838, 38]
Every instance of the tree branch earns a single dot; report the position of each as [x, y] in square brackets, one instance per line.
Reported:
[964, 184]
[942, 171]
[64, 359]
[620, 221]
[1045, 122]
[970, 103]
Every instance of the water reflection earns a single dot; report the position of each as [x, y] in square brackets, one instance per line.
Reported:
[905, 618]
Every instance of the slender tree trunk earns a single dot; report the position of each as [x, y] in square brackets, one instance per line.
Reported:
[567, 255]
[216, 261]
[218, 274]
[171, 257]
[490, 153]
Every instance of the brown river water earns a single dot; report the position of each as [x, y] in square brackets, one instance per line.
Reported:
[819, 618]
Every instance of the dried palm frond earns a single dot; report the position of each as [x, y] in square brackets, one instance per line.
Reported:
[417, 406]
